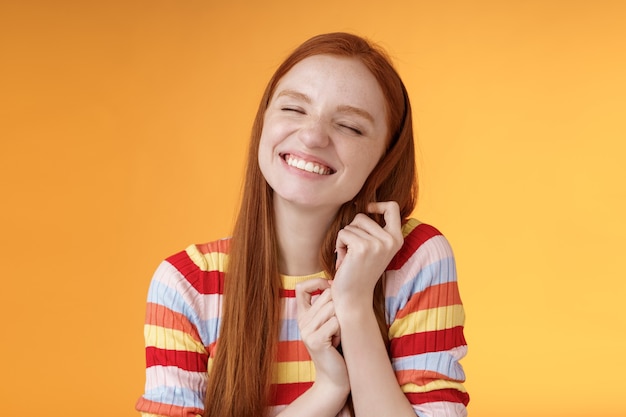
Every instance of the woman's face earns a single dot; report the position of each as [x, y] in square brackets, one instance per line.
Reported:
[324, 131]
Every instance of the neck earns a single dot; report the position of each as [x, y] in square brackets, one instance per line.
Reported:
[300, 233]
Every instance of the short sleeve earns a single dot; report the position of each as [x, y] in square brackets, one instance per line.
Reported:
[176, 357]
[426, 322]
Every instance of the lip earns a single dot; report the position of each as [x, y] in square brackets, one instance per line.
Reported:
[307, 158]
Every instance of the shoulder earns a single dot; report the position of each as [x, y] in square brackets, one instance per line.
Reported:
[423, 240]
[211, 256]
[199, 267]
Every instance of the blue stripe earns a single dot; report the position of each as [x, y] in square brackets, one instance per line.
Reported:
[182, 397]
[440, 272]
[440, 362]
[289, 330]
[162, 294]
[209, 330]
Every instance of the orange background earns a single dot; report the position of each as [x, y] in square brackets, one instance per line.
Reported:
[123, 128]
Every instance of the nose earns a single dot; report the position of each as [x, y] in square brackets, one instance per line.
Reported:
[314, 134]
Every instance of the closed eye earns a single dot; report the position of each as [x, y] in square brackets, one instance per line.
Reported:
[353, 129]
[293, 109]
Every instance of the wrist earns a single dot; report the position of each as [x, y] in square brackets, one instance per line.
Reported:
[352, 299]
[354, 311]
[332, 394]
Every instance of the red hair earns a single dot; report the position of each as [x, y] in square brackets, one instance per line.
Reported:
[241, 376]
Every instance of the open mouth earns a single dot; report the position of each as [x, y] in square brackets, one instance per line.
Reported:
[307, 166]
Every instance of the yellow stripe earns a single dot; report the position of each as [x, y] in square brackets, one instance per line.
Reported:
[409, 226]
[207, 262]
[289, 282]
[427, 320]
[169, 339]
[293, 372]
[210, 365]
[433, 386]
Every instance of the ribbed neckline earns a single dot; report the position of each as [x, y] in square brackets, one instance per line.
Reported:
[290, 281]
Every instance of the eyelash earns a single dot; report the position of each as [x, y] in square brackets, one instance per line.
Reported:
[292, 109]
[353, 129]
[356, 131]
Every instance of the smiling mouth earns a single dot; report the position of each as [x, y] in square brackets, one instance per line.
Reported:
[307, 166]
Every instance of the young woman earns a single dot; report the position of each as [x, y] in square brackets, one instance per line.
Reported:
[327, 300]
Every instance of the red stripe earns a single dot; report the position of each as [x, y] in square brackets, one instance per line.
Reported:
[205, 282]
[189, 361]
[170, 410]
[450, 395]
[412, 242]
[292, 293]
[162, 316]
[287, 293]
[435, 296]
[292, 351]
[287, 393]
[420, 377]
[183, 263]
[220, 246]
[423, 342]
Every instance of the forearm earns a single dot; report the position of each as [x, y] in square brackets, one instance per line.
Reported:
[318, 401]
[375, 389]
[318, 327]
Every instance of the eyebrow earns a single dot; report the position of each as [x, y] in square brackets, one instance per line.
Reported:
[342, 109]
[357, 111]
[295, 94]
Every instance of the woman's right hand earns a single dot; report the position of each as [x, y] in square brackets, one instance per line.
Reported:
[321, 335]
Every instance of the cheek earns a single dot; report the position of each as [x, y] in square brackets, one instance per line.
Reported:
[267, 154]
[368, 159]
[271, 134]
[264, 154]
[264, 157]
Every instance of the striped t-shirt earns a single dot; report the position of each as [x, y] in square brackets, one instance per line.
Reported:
[423, 310]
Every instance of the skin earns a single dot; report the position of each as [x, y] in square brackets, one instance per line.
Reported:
[330, 111]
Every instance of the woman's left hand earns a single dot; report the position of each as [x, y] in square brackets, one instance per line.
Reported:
[364, 249]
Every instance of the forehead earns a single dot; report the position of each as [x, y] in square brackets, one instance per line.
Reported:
[344, 77]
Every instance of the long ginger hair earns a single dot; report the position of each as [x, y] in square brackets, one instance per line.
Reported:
[241, 376]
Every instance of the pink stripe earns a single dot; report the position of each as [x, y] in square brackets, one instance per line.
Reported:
[441, 408]
[412, 242]
[157, 376]
[167, 274]
[425, 255]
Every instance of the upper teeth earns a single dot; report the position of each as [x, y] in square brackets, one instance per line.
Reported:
[307, 166]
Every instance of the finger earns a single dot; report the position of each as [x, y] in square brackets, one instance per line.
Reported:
[341, 249]
[355, 237]
[313, 320]
[305, 290]
[329, 330]
[336, 340]
[319, 303]
[318, 315]
[345, 238]
[391, 213]
[340, 253]
[365, 227]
